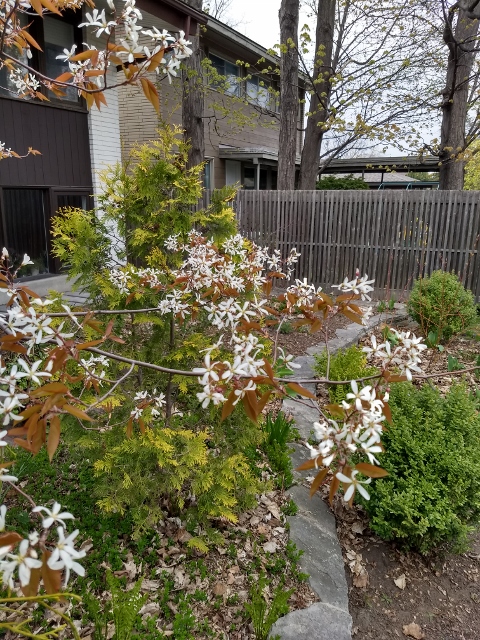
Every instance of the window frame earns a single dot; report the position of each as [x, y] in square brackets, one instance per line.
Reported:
[38, 60]
[238, 89]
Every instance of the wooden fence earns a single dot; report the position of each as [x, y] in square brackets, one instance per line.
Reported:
[393, 236]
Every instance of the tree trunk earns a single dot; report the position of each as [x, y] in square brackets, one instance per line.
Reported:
[193, 98]
[461, 44]
[321, 94]
[287, 142]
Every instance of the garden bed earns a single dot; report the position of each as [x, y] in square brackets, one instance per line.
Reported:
[405, 594]
[394, 594]
[189, 594]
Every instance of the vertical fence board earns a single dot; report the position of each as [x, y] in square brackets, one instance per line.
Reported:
[394, 236]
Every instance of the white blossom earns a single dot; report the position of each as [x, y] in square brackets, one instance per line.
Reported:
[64, 555]
[25, 563]
[54, 515]
[354, 483]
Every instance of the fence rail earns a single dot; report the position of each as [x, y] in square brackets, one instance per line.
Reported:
[394, 236]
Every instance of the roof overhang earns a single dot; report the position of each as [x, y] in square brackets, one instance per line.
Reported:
[239, 44]
[175, 13]
[249, 154]
[380, 164]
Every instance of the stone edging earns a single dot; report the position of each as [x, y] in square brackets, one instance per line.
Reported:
[313, 528]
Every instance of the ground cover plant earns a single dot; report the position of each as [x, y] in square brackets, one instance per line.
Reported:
[178, 586]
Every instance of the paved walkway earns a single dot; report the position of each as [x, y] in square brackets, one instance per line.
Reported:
[313, 529]
[42, 286]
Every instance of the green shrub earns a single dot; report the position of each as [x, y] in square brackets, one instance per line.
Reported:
[345, 364]
[441, 305]
[432, 453]
[344, 183]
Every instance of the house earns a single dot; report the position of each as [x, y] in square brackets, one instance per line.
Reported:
[241, 113]
[390, 180]
[75, 143]
[386, 172]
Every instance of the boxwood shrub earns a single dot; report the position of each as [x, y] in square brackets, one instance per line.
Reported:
[441, 304]
[432, 453]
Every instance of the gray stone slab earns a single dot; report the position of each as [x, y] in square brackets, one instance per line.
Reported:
[314, 508]
[304, 416]
[318, 622]
[322, 560]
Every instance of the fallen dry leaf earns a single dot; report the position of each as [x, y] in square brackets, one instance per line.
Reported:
[220, 589]
[413, 630]
[401, 582]
[360, 580]
[270, 547]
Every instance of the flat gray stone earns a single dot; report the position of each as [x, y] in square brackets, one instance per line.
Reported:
[304, 416]
[314, 508]
[322, 560]
[298, 455]
[320, 621]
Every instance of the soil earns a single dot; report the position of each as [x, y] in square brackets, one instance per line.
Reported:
[439, 594]
[297, 342]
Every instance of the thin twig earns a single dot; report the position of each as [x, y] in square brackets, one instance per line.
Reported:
[25, 495]
[105, 312]
[110, 391]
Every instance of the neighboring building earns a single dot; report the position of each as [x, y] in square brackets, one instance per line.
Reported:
[386, 172]
[391, 180]
[235, 154]
[75, 144]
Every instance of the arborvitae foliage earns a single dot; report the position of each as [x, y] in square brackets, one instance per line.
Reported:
[182, 459]
[145, 199]
[432, 453]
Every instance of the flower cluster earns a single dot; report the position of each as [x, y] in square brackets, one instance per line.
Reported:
[401, 351]
[18, 557]
[364, 412]
[88, 69]
[360, 430]
[95, 368]
[305, 294]
[358, 286]
[144, 399]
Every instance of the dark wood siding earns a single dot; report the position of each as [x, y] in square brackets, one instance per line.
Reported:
[60, 135]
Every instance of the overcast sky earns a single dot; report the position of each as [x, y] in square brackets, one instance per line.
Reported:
[258, 20]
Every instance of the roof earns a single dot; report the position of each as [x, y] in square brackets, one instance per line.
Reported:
[220, 31]
[223, 30]
[176, 13]
[228, 152]
[400, 164]
[391, 176]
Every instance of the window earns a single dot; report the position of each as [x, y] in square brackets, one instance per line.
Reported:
[208, 173]
[53, 35]
[58, 35]
[24, 226]
[249, 177]
[231, 72]
[74, 200]
[7, 88]
[258, 92]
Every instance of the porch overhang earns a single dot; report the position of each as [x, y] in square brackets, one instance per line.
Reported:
[250, 154]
